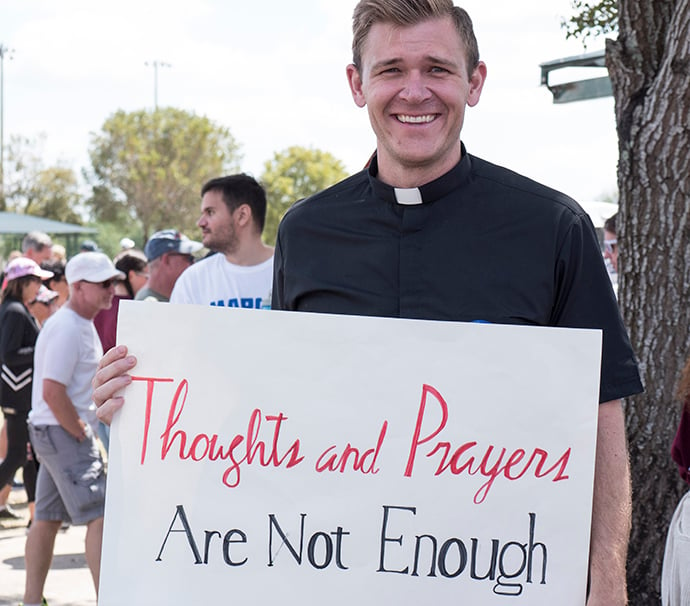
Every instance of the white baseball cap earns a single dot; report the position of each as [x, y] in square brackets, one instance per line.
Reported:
[91, 267]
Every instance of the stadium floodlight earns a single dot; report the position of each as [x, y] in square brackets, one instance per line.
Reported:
[156, 65]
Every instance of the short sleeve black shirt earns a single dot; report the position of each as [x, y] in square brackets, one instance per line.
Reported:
[484, 244]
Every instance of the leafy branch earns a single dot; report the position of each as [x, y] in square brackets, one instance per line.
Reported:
[591, 19]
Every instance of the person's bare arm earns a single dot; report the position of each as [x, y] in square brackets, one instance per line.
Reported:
[55, 395]
[110, 378]
[611, 510]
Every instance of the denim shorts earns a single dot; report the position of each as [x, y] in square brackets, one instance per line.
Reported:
[71, 477]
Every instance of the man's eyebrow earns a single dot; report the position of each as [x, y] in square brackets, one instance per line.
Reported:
[441, 61]
[386, 63]
[428, 59]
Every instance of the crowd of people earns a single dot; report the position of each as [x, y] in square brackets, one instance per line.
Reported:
[57, 316]
[426, 231]
[56, 320]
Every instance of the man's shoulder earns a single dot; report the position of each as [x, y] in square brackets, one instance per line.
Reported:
[346, 191]
[201, 276]
[66, 316]
[514, 186]
[201, 268]
[64, 323]
[54, 320]
[148, 294]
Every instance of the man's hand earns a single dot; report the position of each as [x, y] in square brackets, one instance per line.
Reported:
[55, 395]
[110, 379]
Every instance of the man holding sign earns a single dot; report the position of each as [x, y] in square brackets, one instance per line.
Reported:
[428, 231]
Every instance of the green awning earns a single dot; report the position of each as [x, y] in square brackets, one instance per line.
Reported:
[17, 224]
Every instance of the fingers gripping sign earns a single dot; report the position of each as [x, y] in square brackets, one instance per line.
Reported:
[110, 379]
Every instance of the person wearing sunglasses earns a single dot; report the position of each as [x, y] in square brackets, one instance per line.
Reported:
[611, 242]
[62, 422]
[133, 264]
[611, 250]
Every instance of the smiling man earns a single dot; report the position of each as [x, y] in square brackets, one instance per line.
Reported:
[429, 231]
[416, 83]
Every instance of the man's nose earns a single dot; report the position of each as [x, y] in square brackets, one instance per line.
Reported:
[415, 88]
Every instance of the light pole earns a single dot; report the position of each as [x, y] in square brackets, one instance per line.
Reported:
[156, 65]
[3, 51]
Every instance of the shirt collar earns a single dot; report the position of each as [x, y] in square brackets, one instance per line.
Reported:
[429, 192]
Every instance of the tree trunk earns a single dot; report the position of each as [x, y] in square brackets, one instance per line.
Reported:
[649, 66]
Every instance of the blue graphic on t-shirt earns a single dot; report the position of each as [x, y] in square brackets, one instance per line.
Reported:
[244, 302]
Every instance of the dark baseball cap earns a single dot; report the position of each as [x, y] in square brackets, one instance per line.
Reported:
[89, 246]
[170, 240]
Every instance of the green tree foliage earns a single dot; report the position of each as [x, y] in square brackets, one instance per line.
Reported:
[108, 236]
[31, 188]
[293, 174]
[150, 166]
[115, 221]
[591, 19]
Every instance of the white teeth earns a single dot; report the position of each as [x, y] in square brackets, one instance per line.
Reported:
[414, 119]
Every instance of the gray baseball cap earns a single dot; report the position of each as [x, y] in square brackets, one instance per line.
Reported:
[170, 240]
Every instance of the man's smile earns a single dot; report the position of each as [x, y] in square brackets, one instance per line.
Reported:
[415, 119]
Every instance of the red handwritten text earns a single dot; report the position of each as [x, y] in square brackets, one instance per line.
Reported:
[464, 458]
[364, 462]
[242, 448]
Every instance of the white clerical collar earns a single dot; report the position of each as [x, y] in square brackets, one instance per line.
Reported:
[408, 196]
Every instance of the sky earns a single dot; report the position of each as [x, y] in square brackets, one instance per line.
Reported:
[273, 72]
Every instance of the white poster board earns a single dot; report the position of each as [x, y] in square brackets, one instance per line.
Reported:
[269, 457]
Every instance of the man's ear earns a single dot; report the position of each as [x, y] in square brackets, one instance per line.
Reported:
[354, 79]
[476, 84]
[243, 214]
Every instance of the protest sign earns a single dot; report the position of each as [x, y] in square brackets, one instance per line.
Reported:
[276, 457]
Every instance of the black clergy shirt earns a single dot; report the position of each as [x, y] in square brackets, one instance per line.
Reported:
[480, 243]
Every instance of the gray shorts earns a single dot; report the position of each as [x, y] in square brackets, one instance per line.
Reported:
[71, 478]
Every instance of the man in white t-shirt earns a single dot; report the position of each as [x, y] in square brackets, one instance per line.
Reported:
[240, 274]
[62, 421]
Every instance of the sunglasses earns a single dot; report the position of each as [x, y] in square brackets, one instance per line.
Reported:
[610, 245]
[104, 284]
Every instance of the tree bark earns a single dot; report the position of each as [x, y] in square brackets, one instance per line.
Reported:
[649, 66]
